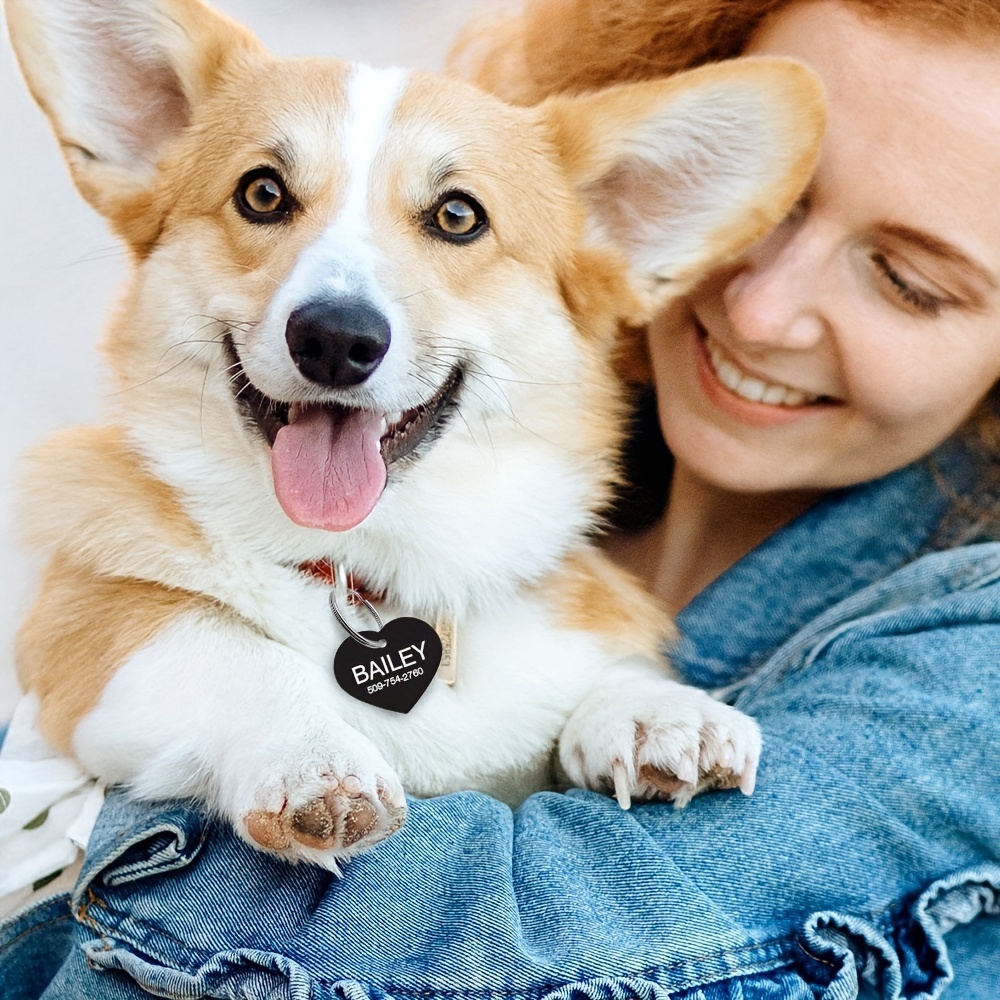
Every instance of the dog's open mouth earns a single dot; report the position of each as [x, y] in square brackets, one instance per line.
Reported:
[329, 461]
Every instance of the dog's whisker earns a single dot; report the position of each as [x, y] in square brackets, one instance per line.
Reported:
[489, 437]
[226, 324]
[194, 358]
[201, 402]
[202, 344]
[419, 291]
[256, 270]
[466, 363]
[103, 253]
[160, 374]
[468, 427]
[441, 343]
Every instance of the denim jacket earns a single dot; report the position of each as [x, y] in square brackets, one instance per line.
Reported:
[866, 864]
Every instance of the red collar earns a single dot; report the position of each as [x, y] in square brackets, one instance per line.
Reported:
[326, 571]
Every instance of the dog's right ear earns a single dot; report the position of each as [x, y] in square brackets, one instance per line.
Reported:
[119, 79]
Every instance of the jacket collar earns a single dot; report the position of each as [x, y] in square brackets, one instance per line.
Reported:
[849, 540]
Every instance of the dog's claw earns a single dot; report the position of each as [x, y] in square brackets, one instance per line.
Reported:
[621, 778]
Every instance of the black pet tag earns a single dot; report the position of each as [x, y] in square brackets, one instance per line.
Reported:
[393, 676]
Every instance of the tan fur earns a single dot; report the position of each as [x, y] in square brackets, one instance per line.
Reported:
[88, 499]
[598, 277]
[433, 110]
[87, 496]
[592, 594]
[81, 629]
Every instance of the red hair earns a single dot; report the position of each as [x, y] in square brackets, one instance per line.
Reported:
[571, 45]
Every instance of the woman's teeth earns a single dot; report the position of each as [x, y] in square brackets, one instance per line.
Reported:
[753, 389]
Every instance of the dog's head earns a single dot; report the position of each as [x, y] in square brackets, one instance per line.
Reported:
[384, 298]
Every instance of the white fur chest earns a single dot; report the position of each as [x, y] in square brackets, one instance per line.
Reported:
[518, 678]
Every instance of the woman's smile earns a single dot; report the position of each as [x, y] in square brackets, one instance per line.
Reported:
[746, 393]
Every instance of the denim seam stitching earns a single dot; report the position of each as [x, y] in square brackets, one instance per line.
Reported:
[801, 650]
[117, 928]
[35, 927]
[774, 954]
[779, 945]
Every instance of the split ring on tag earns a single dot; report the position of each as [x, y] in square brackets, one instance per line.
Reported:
[357, 636]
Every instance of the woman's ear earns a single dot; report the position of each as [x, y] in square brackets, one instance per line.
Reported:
[680, 174]
[118, 80]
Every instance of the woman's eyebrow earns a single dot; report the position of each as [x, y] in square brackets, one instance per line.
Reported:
[938, 248]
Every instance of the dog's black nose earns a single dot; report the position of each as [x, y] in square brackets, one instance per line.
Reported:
[337, 344]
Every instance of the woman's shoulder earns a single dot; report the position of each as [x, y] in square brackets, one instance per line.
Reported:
[939, 589]
[924, 632]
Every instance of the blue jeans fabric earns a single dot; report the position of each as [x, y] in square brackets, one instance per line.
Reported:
[866, 864]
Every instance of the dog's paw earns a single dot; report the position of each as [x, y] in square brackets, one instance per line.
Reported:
[325, 807]
[659, 740]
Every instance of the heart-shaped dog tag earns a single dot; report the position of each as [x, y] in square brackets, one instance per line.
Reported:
[395, 675]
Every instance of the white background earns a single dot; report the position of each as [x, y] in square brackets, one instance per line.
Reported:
[60, 268]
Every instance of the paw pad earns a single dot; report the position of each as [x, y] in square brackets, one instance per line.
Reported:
[342, 817]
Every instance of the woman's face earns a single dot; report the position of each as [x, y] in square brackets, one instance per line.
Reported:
[866, 329]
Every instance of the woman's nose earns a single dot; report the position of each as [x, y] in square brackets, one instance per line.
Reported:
[773, 294]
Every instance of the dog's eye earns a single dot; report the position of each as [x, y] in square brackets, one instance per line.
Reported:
[457, 217]
[261, 197]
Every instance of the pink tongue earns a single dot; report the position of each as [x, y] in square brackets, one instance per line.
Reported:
[327, 467]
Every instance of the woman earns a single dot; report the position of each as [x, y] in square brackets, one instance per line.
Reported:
[830, 403]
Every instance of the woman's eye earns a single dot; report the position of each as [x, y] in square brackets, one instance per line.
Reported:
[261, 197]
[457, 217]
[919, 299]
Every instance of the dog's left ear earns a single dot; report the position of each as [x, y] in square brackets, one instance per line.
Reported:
[119, 80]
[684, 173]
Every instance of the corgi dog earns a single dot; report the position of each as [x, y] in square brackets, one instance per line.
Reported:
[372, 335]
